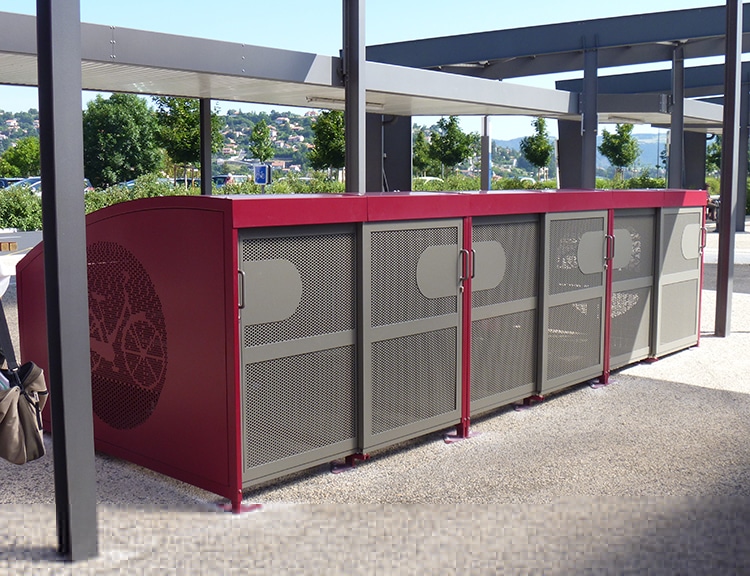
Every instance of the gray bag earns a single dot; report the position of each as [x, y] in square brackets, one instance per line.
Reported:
[21, 407]
[23, 394]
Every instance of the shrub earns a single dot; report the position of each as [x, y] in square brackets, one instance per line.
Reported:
[20, 209]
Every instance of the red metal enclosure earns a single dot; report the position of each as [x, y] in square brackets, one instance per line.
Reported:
[219, 326]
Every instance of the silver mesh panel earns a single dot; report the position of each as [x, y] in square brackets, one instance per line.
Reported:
[641, 265]
[679, 311]
[631, 319]
[413, 378]
[326, 264]
[672, 257]
[395, 254]
[564, 272]
[503, 353]
[296, 404]
[520, 240]
[574, 337]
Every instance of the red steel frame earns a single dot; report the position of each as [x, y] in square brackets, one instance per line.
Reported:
[237, 213]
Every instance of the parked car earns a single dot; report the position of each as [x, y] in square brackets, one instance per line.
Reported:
[5, 182]
[34, 184]
[224, 179]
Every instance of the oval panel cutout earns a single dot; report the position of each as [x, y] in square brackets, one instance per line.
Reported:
[273, 290]
[437, 271]
[489, 265]
[591, 252]
[691, 240]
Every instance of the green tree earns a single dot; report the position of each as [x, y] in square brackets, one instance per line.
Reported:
[179, 129]
[329, 141]
[449, 145]
[261, 146]
[423, 163]
[620, 148]
[537, 149]
[713, 154]
[119, 139]
[22, 159]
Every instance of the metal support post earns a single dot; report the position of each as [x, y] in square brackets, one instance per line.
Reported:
[569, 153]
[676, 176]
[354, 87]
[729, 170]
[744, 134]
[206, 147]
[486, 170]
[61, 143]
[589, 119]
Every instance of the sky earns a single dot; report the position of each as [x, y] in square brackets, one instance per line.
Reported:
[316, 26]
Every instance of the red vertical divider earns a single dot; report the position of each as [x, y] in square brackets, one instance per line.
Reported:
[704, 241]
[607, 313]
[467, 273]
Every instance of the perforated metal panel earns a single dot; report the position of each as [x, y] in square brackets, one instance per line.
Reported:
[565, 271]
[294, 405]
[504, 311]
[503, 358]
[395, 255]
[573, 326]
[573, 337]
[411, 327]
[298, 335]
[632, 286]
[413, 379]
[678, 294]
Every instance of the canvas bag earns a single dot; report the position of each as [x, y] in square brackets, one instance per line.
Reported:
[22, 399]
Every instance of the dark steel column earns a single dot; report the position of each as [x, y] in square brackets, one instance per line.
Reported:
[676, 176]
[485, 179]
[569, 154]
[206, 147]
[397, 153]
[729, 171]
[354, 87]
[695, 160]
[61, 138]
[589, 120]
[744, 134]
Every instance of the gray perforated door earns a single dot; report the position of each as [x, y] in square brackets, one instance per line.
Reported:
[677, 323]
[574, 289]
[632, 286]
[411, 329]
[504, 324]
[297, 322]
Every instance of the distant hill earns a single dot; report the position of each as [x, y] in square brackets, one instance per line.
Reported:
[650, 144]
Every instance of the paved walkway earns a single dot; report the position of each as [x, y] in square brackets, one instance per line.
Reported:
[649, 475]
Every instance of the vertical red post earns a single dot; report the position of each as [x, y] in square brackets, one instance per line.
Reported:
[607, 312]
[462, 430]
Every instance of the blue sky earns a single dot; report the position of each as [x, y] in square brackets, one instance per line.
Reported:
[315, 26]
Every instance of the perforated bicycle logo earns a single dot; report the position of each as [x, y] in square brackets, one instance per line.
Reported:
[127, 335]
[134, 337]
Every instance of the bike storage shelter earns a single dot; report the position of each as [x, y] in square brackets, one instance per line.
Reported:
[238, 339]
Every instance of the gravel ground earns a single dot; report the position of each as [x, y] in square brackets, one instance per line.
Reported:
[648, 475]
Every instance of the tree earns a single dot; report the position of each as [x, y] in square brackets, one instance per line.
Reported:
[423, 163]
[119, 139]
[537, 149]
[449, 145]
[329, 141]
[179, 129]
[22, 160]
[620, 148]
[713, 154]
[261, 146]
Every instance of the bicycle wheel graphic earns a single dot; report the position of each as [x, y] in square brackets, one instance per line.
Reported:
[128, 337]
[145, 357]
